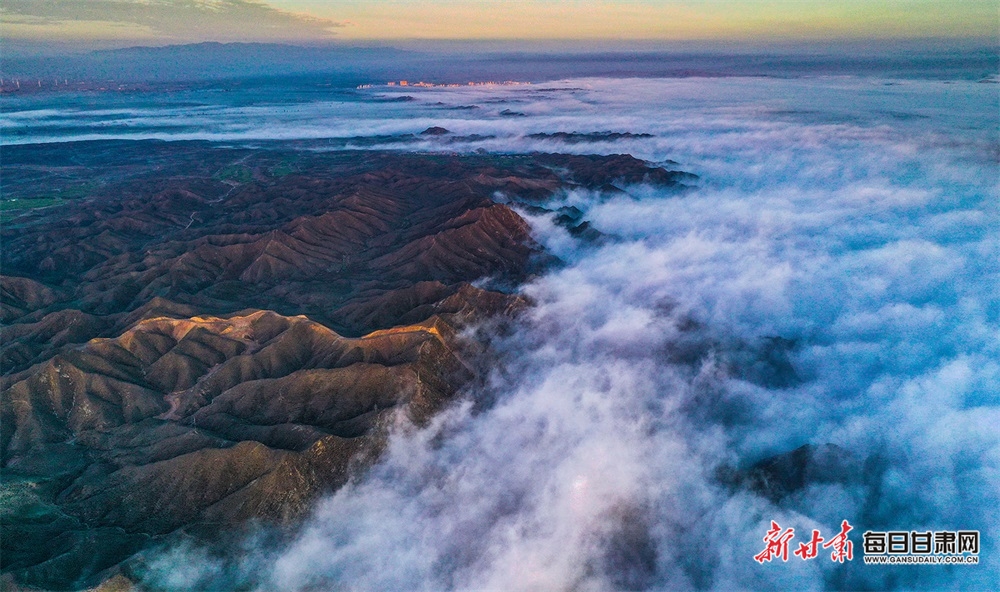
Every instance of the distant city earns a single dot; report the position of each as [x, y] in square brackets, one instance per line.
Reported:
[36, 85]
[19, 85]
[15, 84]
[423, 84]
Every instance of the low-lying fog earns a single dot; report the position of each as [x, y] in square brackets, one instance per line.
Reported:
[832, 279]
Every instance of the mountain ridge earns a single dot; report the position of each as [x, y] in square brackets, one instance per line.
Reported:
[187, 351]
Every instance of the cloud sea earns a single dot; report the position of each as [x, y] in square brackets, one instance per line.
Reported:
[831, 278]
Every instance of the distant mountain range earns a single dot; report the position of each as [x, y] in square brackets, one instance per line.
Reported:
[202, 61]
[283, 51]
[356, 64]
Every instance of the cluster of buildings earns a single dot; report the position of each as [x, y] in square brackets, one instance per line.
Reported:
[422, 84]
[35, 85]
[14, 84]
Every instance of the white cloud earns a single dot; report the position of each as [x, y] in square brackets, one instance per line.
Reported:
[162, 21]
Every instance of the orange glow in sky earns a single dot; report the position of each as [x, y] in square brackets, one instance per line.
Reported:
[640, 20]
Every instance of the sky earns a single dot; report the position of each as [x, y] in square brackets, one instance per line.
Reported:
[160, 22]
